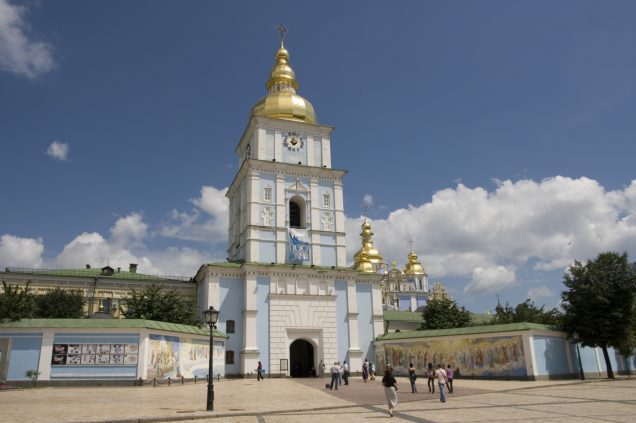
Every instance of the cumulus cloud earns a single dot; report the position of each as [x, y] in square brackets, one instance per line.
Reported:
[125, 246]
[490, 279]
[207, 222]
[19, 53]
[20, 252]
[539, 292]
[488, 235]
[58, 150]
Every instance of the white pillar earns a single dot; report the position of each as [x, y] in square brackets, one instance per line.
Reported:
[46, 352]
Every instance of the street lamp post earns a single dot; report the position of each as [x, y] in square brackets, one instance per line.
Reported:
[211, 317]
[575, 338]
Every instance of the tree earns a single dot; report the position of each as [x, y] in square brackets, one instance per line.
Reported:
[442, 313]
[16, 303]
[60, 304]
[600, 303]
[526, 312]
[154, 304]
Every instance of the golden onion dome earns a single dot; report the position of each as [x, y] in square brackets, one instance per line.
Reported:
[414, 267]
[368, 258]
[282, 102]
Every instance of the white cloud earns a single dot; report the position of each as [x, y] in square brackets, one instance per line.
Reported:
[18, 53]
[491, 279]
[194, 226]
[367, 200]
[546, 224]
[58, 150]
[129, 229]
[20, 252]
[539, 292]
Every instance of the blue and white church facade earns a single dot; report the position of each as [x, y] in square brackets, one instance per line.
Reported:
[285, 295]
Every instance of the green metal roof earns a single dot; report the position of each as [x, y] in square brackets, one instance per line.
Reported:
[238, 264]
[108, 324]
[94, 273]
[403, 316]
[465, 331]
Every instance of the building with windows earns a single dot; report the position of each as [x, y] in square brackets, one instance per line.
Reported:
[104, 289]
[285, 295]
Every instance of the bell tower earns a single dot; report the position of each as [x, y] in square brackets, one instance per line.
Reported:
[286, 201]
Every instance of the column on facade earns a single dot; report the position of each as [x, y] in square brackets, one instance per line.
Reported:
[253, 216]
[250, 352]
[281, 216]
[341, 249]
[354, 352]
[44, 365]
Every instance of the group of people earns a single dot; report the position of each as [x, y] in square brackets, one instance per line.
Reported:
[340, 373]
[444, 379]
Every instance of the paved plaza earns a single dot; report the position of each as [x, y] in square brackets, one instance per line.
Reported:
[307, 400]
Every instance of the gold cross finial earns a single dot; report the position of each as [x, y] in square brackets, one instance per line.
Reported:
[283, 30]
[411, 242]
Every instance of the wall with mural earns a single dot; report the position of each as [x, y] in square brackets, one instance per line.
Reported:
[175, 357]
[484, 356]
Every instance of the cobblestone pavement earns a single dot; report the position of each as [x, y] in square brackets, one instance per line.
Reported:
[307, 400]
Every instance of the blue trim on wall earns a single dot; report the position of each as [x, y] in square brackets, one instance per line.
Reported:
[25, 354]
[342, 320]
[262, 320]
[550, 355]
[365, 320]
[231, 304]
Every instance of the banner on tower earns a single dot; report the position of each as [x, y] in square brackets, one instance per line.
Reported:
[298, 248]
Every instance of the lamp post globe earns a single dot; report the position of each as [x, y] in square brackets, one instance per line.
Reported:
[211, 317]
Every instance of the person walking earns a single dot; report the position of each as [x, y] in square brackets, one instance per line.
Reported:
[340, 373]
[345, 372]
[335, 375]
[365, 370]
[440, 375]
[371, 371]
[321, 369]
[412, 378]
[449, 378]
[259, 371]
[390, 389]
[430, 373]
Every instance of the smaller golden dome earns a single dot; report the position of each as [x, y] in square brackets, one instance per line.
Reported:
[414, 267]
[282, 102]
[368, 258]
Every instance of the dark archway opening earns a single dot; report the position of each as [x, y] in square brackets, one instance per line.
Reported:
[301, 355]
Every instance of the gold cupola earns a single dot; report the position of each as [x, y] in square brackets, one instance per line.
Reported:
[282, 102]
[368, 258]
[413, 267]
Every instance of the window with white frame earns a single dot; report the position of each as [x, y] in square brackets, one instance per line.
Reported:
[326, 200]
[267, 195]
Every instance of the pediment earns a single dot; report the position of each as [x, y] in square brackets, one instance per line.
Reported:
[298, 186]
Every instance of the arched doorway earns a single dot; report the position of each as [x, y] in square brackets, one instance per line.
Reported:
[301, 357]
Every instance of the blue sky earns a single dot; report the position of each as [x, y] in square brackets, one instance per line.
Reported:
[498, 135]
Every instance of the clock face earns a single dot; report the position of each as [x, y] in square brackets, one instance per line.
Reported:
[293, 141]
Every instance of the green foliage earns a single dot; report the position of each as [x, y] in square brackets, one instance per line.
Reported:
[154, 304]
[60, 304]
[16, 303]
[443, 313]
[526, 312]
[600, 303]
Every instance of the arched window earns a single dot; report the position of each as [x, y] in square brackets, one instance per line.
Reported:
[229, 326]
[294, 215]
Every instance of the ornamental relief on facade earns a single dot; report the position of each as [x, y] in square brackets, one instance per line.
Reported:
[300, 286]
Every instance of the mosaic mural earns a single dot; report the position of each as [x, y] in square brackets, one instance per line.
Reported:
[489, 356]
[172, 357]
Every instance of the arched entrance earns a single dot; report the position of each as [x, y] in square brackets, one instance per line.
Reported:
[301, 358]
